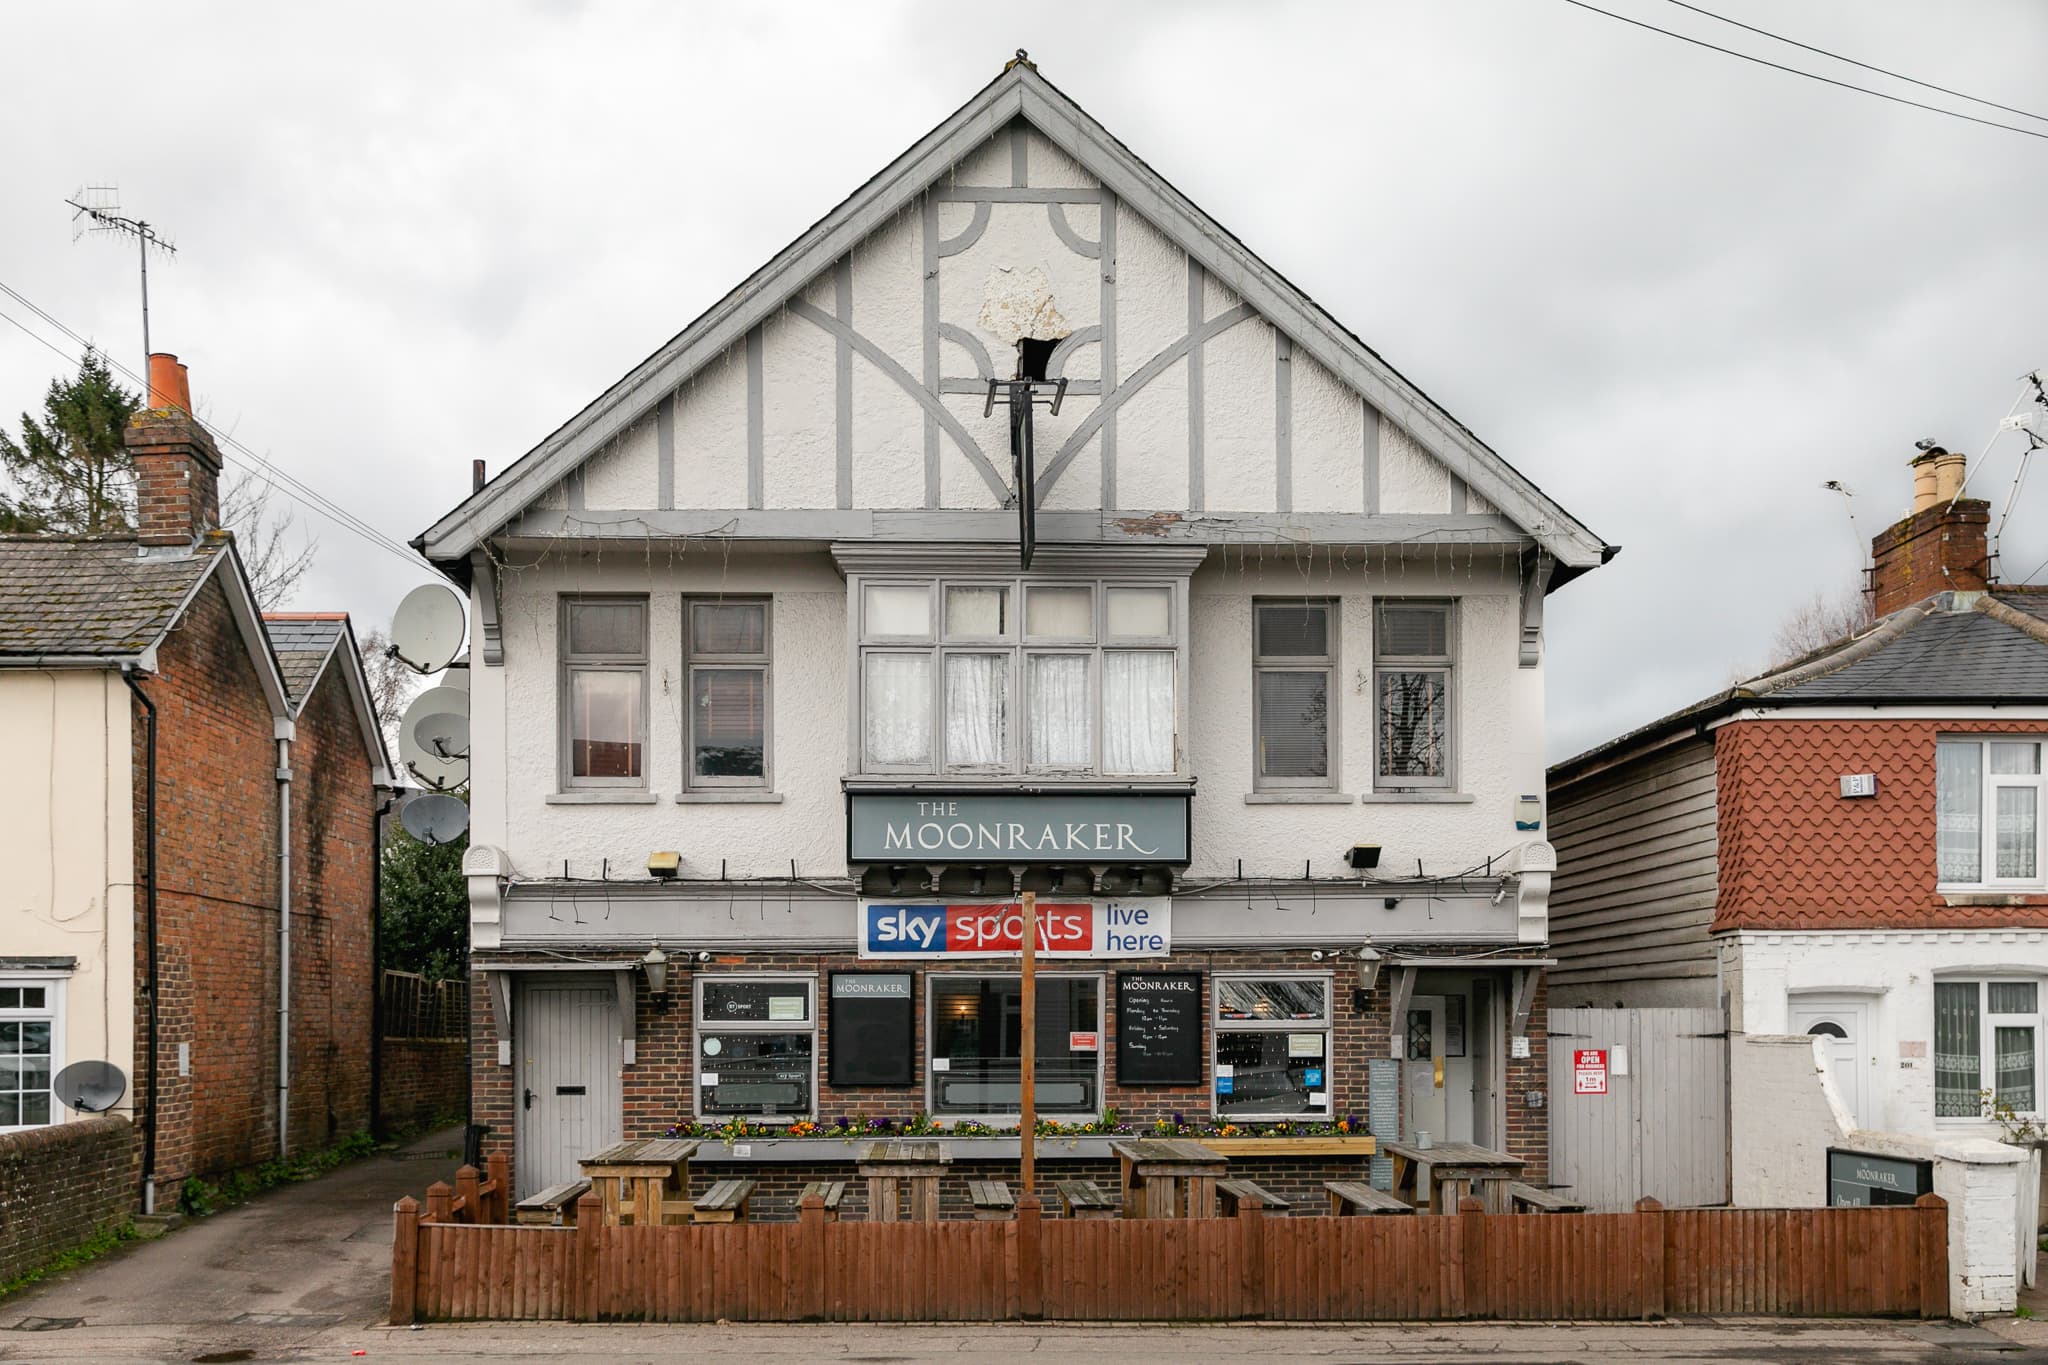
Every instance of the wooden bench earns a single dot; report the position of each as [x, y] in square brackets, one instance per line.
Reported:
[830, 1191]
[1348, 1197]
[724, 1202]
[1535, 1199]
[1231, 1193]
[1084, 1199]
[552, 1207]
[992, 1200]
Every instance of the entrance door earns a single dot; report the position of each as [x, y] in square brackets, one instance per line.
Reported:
[1438, 1074]
[569, 1102]
[1845, 1023]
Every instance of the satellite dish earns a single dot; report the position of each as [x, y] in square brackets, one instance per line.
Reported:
[432, 766]
[90, 1087]
[458, 676]
[434, 818]
[426, 634]
[443, 734]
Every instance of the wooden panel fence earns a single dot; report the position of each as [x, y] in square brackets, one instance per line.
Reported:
[453, 1262]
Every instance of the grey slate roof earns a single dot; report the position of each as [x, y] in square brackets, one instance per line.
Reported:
[1959, 656]
[90, 596]
[302, 644]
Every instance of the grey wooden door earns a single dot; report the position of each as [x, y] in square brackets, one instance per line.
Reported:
[1662, 1127]
[569, 1101]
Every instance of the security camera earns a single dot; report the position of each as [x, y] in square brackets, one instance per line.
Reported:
[1317, 955]
[703, 954]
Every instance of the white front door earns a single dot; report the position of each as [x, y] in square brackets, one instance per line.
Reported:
[568, 1052]
[1845, 1023]
[1438, 1071]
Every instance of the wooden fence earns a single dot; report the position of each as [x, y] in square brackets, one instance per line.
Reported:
[414, 1007]
[455, 1262]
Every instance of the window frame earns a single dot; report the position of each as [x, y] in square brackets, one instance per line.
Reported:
[1021, 647]
[53, 985]
[1988, 785]
[716, 661]
[1447, 664]
[1328, 664]
[568, 664]
[1326, 1026]
[931, 1077]
[1988, 1025]
[699, 1028]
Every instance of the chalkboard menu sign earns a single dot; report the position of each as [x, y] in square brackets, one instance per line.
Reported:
[1159, 1028]
[873, 1038]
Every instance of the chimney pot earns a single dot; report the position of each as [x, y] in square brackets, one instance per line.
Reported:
[1924, 480]
[177, 465]
[169, 384]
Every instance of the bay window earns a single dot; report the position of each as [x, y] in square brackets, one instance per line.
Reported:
[1272, 1046]
[1412, 666]
[1012, 677]
[1987, 812]
[976, 1035]
[756, 1046]
[1987, 1042]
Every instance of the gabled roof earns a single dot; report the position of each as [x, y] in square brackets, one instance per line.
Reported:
[306, 644]
[1955, 648]
[91, 597]
[1019, 92]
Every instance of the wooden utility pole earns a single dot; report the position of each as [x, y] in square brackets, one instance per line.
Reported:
[1027, 1089]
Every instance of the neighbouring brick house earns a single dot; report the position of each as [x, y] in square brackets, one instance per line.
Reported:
[158, 727]
[1850, 846]
[781, 700]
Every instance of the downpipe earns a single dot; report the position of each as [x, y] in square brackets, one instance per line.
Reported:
[284, 939]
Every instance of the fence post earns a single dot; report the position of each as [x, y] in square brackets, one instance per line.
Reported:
[1030, 1284]
[1933, 1237]
[583, 1264]
[1251, 1228]
[466, 1191]
[1476, 1291]
[405, 1261]
[500, 1167]
[440, 1199]
[1650, 1248]
[810, 1241]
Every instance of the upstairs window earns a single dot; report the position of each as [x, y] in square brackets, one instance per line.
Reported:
[604, 691]
[1015, 677]
[1294, 658]
[1987, 812]
[1412, 673]
[726, 656]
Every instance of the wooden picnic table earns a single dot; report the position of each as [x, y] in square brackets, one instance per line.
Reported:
[647, 1182]
[1435, 1178]
[1169, 1177]
[894, 1164]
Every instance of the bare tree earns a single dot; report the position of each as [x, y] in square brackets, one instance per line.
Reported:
[1820, 620]
[275, 557]
[392, 684]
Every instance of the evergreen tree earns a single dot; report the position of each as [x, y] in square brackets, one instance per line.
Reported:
[71, 471]
[426, 907]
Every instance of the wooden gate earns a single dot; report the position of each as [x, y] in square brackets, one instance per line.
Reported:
[1661, 1128]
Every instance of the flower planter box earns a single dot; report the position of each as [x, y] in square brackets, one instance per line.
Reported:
[1290, 1146]
[774, 1149]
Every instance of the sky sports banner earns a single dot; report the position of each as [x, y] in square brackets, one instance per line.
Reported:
[1138, 927]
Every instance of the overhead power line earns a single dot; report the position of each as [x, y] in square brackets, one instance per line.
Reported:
[1809, 75]
[293, 487]
[1882, 71]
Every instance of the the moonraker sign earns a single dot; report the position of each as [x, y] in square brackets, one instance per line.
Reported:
[1017, 827]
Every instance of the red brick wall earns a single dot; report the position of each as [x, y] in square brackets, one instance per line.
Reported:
[422, 1079]
[656, 1090]
[61, 1184]
[334, 866]
[217, 846]
[1939, 550]
[1794, 853]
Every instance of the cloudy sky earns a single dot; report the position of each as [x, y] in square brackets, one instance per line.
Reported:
[1675, 289]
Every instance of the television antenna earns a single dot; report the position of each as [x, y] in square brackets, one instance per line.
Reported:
[97, 208]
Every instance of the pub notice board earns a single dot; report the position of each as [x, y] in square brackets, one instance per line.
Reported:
[1159, 1028]
[873, 1035]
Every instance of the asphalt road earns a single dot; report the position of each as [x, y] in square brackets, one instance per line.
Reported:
[302, 1275]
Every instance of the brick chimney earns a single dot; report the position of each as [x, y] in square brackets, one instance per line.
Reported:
[177, 465]
[1937, 547]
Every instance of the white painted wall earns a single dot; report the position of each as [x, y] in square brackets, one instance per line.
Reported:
[67, 841]
[1895, 971]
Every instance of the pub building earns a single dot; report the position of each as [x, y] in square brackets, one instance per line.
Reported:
[1014, 529]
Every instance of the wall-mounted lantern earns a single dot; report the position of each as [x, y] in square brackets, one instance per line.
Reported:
[656, 966]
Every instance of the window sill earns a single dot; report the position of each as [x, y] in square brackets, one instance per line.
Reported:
[2007, 896]
[735, 797]
[1299, 798]
[1417, 799]
[602, 798]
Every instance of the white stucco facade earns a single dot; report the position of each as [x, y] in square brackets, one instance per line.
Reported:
[67, 838]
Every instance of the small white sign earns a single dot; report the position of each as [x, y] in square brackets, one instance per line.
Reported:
[785, 1007]
[1319, 1099]
[1224, 1070]
[743, 1149]
[1304, 1044]
[942, 1063]
[1859, 784]
[1518, 1047]
[707, 1078]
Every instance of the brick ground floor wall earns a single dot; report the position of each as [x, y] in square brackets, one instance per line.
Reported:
[421, 1079]
[61, 1184]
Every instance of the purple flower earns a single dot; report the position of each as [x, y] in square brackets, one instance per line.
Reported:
[1179, 1119]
